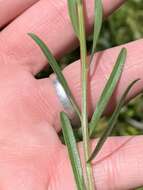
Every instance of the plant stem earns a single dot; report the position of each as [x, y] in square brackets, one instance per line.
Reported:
[83, 50]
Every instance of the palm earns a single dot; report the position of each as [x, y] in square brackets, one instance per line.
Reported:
[31, 154]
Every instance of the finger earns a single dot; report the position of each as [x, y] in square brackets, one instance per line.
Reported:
[49, 20]
[103, 66]
[118, 166]
[11, 9]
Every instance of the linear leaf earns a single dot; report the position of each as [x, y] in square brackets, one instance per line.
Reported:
[72, 6]
[98, 12]
[108, 90]
[52, 61]
[73, 151]
[112, 122]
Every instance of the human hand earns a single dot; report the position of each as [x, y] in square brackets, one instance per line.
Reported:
[31, 154]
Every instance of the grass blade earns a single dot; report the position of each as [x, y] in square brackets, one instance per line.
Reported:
[111, 123]
[108, 90]
[97, 25]
[73, 151]
[72, 6]
[52, 61]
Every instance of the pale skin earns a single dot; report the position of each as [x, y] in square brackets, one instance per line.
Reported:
[31, 154]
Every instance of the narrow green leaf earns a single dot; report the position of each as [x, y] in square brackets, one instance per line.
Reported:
[72, 6]
[97, 25]
[108, 90]
[73, 151]
[52, 61]
[112, 122]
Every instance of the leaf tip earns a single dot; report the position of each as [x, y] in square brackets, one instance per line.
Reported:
[30, 34]
[124, 50]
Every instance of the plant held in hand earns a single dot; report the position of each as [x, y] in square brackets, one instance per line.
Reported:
[76, 12]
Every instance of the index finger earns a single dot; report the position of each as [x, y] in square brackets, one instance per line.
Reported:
[11, 9]
[49, 20]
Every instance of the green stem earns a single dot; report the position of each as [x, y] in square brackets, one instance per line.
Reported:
[83, 50]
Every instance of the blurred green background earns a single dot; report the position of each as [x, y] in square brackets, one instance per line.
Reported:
[125, 25]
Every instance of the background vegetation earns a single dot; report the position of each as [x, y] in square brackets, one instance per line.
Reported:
[124, 26]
